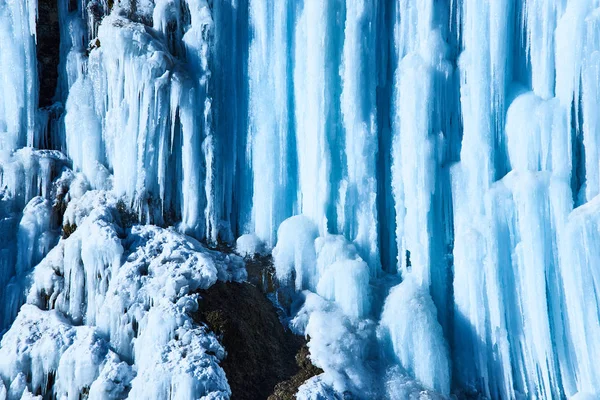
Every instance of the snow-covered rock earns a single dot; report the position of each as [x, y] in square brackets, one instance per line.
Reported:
[133, 289]
[249, 245]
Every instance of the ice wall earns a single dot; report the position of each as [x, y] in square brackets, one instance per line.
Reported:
[33, 187]
[450, 145]
[138, 85]
[492, 146]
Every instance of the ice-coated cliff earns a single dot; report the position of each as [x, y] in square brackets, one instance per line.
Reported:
[425, 175]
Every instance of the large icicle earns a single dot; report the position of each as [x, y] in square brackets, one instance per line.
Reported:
[421, 78]
[271, 138]
[483, 66]
[579, 255]
[18, 74]
[357, 205]
[315, 85]
[413, 334]
[145, 119]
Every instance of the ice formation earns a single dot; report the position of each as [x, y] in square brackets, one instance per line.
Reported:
[249, 245]
[108, 312]
[424, 173]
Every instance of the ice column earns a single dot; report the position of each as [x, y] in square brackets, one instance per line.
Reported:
[357, 204]
[271, 137]
[579, 254]
[486, 29]
[18, 73]
[421, 72]
[315, 82]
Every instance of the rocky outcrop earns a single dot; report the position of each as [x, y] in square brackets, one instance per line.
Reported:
[48, 50]
[287, 390]
[263, 360]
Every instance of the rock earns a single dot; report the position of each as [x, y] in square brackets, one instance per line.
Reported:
[261, 353]
[287, 390]
[48, 50]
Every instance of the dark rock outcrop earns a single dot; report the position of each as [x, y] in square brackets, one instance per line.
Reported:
[261, 354]
[48, 50]
[287, 390]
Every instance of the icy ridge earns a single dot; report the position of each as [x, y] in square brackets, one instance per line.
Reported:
[123, 296]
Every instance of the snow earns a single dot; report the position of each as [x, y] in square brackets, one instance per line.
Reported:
[348, 351]
[337, 344]
[133, 289]
[44, 345]
[249, 245]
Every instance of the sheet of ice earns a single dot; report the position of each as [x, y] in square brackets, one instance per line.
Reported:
[452, 141]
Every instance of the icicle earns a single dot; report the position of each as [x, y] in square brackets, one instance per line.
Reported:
[357, 217]
[270, 131]
[313, 92]
[18, 74]
[484, 76]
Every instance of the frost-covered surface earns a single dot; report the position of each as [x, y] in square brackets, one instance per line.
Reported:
[249, 245]
[44, 350]
[109, 308]
[451, 145]
[31, 182]
[334, 307]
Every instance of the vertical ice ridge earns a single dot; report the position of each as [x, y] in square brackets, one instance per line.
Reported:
[18, 77]
[357, 215]
[312, 95]
[484, 76]
[269, 116]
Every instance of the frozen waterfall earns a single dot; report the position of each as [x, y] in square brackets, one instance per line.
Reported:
[424, 173]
